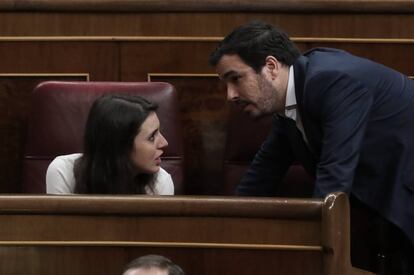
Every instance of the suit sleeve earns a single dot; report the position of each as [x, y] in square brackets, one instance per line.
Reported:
[269, 165]
[342, 105]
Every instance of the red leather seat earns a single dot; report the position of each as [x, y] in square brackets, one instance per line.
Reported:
[58, 116]
[245, 135]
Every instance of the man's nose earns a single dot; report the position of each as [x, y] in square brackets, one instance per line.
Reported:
[232, 94]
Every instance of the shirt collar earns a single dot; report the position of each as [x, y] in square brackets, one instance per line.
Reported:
[290, 105]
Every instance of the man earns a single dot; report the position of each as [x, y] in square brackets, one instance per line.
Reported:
[152, 265]
[348, 120]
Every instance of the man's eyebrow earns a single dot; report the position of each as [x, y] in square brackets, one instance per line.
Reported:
[227, 75]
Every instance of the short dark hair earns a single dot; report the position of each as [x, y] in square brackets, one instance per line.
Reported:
[105, 167]
[253, 42]
[157, 261]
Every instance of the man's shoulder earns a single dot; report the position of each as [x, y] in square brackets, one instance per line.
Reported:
[323, 50]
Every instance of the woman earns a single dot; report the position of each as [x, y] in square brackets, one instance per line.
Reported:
[122, 150]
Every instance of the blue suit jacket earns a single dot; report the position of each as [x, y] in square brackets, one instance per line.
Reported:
[358, 117]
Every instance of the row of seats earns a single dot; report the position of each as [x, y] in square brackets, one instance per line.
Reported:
[58, 115]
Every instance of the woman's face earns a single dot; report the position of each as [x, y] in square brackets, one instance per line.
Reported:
[148, 146]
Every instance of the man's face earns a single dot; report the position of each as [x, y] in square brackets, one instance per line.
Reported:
[257, 93]
[146, 271]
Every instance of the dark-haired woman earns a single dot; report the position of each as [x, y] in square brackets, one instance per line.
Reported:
[122, 149]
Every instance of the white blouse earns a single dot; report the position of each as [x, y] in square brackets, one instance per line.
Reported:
[60, 178]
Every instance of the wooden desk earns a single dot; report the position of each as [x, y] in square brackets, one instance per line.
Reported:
[204, 235]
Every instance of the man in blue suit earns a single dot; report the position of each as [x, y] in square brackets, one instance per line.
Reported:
[348, 120]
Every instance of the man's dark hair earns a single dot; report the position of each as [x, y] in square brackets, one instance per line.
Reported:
[255, 41]
[161, 262]
[105, 166]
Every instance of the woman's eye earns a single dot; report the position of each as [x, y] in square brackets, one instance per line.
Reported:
[153, 136]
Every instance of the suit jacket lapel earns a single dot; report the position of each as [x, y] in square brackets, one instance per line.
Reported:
[300, 68]
[309, 153]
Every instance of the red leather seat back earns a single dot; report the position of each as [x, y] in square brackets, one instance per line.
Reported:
[58, 116]
[244, 138]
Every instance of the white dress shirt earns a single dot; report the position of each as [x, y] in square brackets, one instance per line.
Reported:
[291, 110]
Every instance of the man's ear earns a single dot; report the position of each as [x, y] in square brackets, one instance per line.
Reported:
[272, 65]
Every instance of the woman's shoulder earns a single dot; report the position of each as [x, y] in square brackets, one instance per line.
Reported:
[68, 158]
[163, 183]
[59, 175]
[64, 161]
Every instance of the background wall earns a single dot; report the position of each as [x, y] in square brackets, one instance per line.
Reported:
[100, 40]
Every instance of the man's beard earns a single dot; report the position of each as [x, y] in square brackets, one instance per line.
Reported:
[267, 101]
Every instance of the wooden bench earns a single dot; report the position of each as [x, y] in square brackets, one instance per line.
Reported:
[204, 235]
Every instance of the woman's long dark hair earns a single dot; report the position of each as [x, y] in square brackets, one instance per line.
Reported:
[105, 166]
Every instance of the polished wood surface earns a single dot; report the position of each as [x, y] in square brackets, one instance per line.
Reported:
[205, 235]
[162, 205]
[211, 5]
[199, 24]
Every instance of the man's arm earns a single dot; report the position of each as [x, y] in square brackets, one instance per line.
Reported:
[269, 165]
[342, 105]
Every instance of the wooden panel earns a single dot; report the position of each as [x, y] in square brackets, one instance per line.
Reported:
[355, 6]
[205, 235]
[111, 260]
[208, 24]
[99, 60]
[141, 58]
[215, 230]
